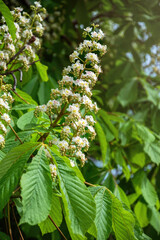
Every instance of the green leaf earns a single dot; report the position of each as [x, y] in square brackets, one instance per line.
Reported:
[36, 186]
[154, 218]
[128, 93]
[143, 185]
[153, 151]
[140, 210]
[122, 221]
[105, 117]
[120, 194]
[78, 202]
[103, 220]
[13, 142]
[2, 155]
[8, 18]
[23, 107]
[145, 133]
[44, 93]
[26, 119]
[55, 213]
[11, 168]
[25, 96]
[152, 94]
[102, 140]
[42, 70]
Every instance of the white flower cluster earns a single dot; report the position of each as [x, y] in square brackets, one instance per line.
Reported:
[71, 103]
[5, 104]
[28, 30]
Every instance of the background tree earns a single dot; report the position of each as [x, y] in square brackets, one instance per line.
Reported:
[125, 155]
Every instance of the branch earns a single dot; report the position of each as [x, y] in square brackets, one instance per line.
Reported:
[19, 96]
[32, 39]
[15, 81]
[57, 227]
[15, 134]
[20, 233]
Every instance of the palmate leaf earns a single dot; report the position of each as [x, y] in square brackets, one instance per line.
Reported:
[122, 221]
[102, 140]
[143, 185]
[110, 212]
[36, 186]
[55, 213]
[79, 206]
[11, 167]
[103, 220]
[8, 18]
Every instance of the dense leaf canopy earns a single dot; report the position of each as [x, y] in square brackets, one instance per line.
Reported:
[122, 201]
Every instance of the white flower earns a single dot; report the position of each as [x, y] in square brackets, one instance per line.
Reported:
[67, 79]
[89, 75]
[53, 169]
[100, 34]
[77, 66]
[78, 141]
[88, 29]
[6, 118]
[63, 144]
[94, 34]
[3, 128]
[53, 103]
[26, 34]
[74, 56]
[82, 122]
[66, 92]
[67, 129]
[39, 28]
[81, 155]
[90, 119]
[3, 65]
[1, 54]
[97, 68]
[55, 141]
[81, 83]
[74, 108]
[42, 108]
[86, 100]
[4, 104]
[72, 163]
[87, 43]
[67, 70]
[23, 20]
[37, 4]
[1, 139]
[92, 57]
[91, 129]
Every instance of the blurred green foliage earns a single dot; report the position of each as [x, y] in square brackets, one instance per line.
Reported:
[125, 156]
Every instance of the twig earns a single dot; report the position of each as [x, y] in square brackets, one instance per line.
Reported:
[16, 190]
[15, 81]
[32, 39]
[9, 223]
[15, 134]
[90, 184]
[21, 75]
[17, 223]
[5, 218]
[20, 96]
[18, 69]
[57, 227]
